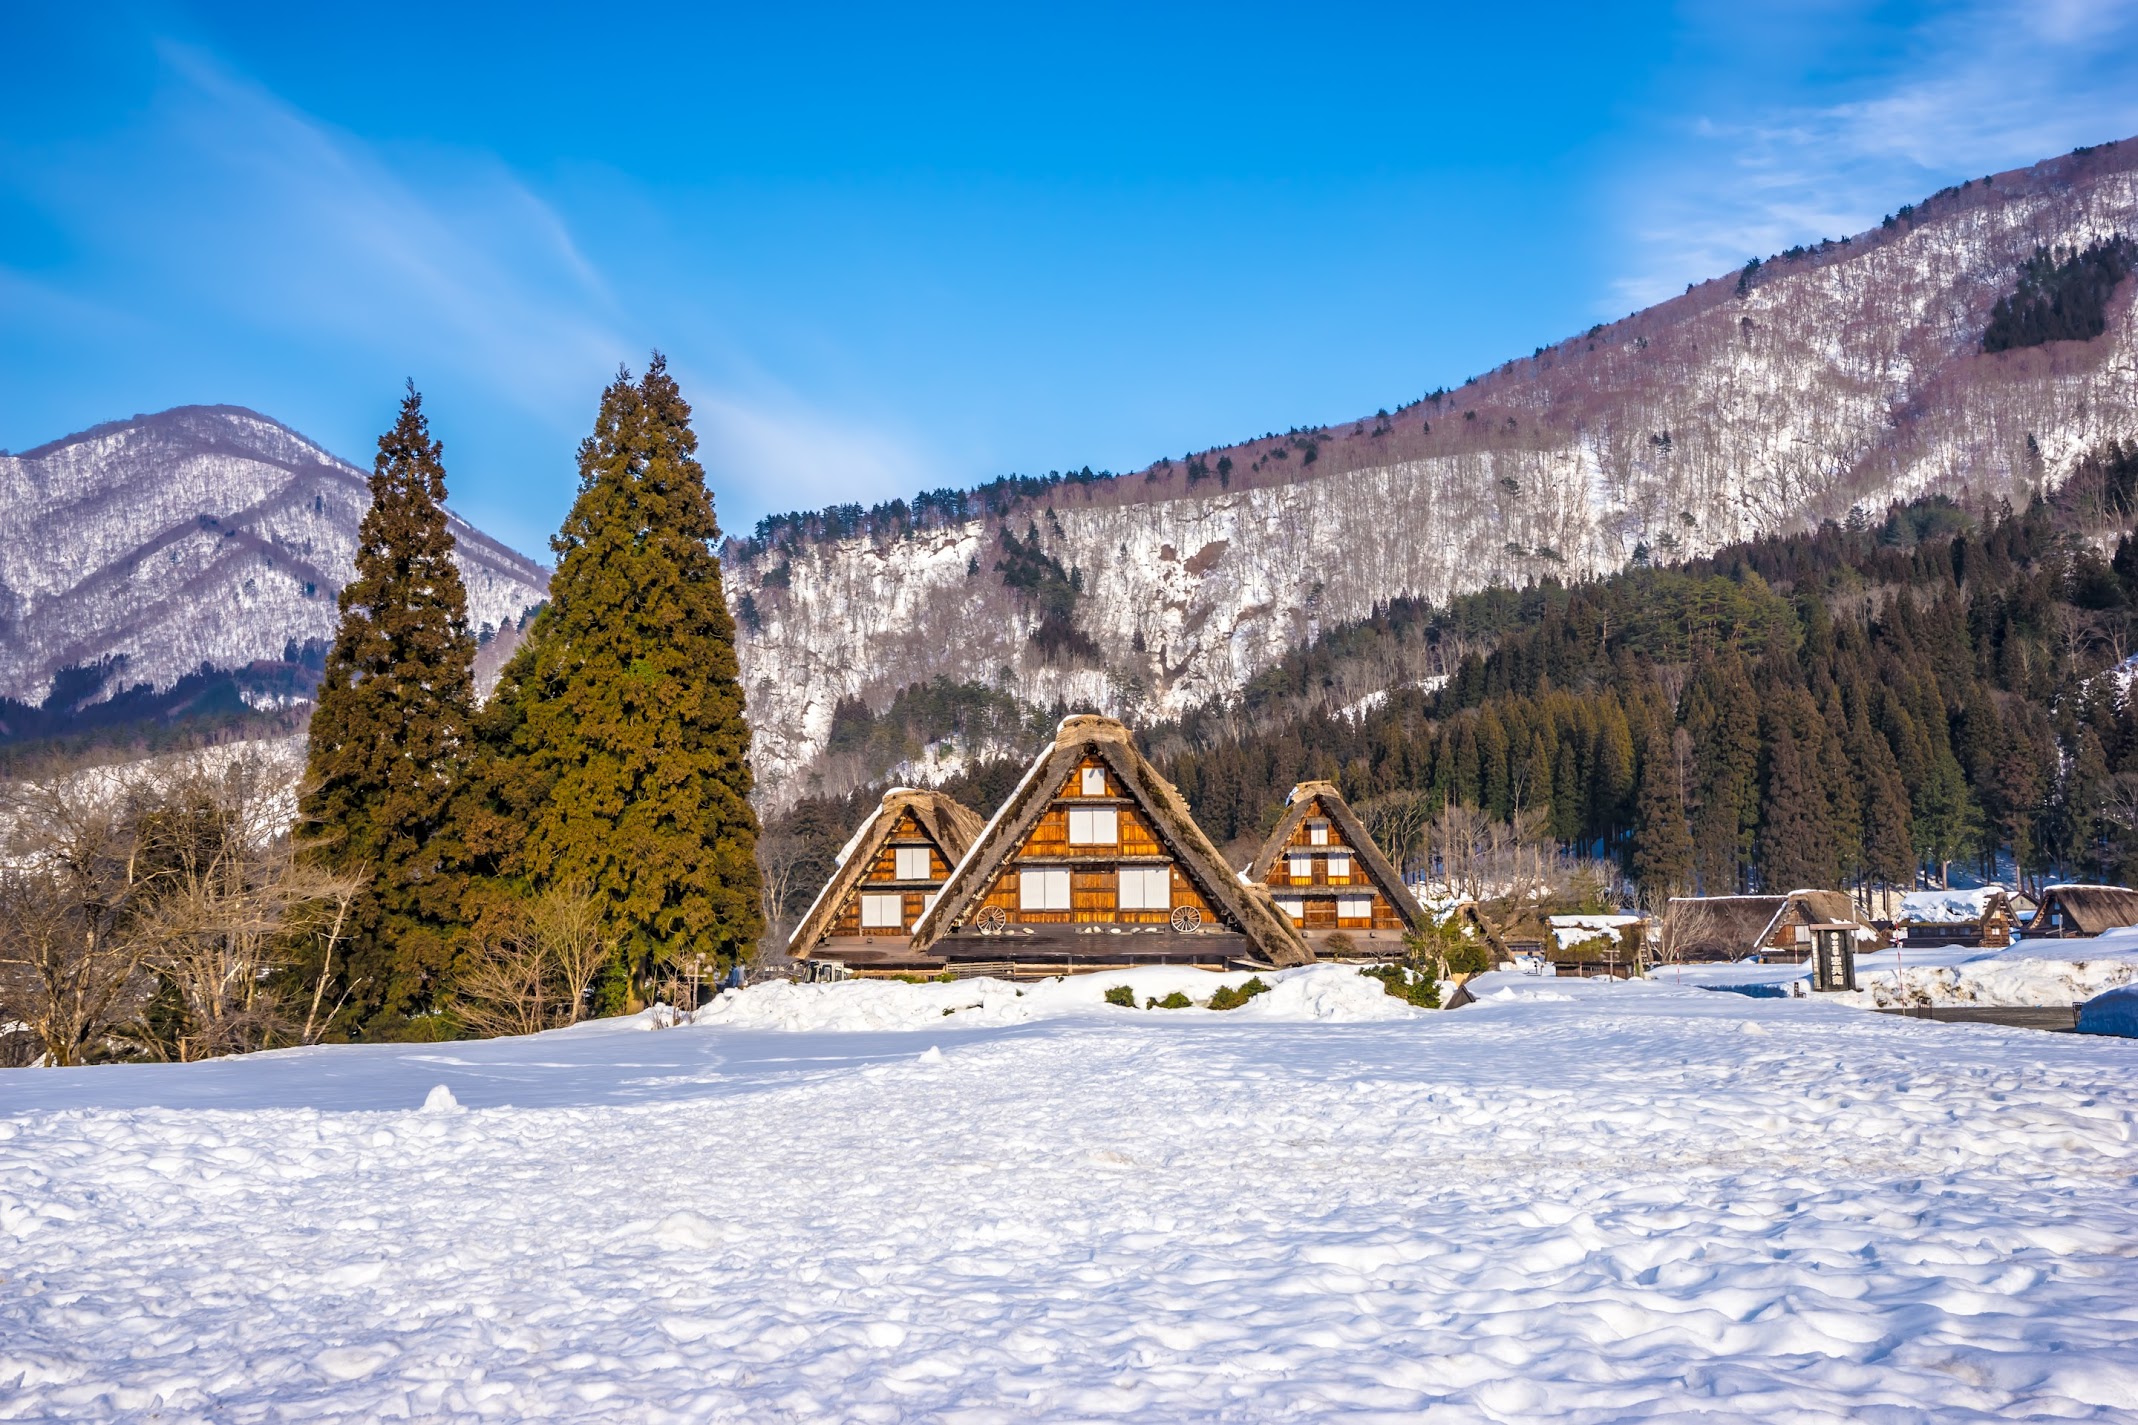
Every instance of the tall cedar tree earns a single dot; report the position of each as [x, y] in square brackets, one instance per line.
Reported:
[1662, 860]
[620, 754]
[1795, 837]
[390, 735]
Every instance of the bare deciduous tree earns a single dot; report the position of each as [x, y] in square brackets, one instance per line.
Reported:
[231, 893]
[531, 969]
[71, 891]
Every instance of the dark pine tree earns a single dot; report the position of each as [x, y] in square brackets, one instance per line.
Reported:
[1662, 862]
[1796, 848]
[620, 751]
[390, 735]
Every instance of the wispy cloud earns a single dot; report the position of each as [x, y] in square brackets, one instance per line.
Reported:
[1982, 87]
[302, 258]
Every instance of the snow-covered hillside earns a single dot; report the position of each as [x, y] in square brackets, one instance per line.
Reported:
[205, 534]
[1580, 1203]
[1849, 375]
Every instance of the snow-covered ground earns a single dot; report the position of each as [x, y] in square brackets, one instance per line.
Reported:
[1573, 1201]
[2041, 973]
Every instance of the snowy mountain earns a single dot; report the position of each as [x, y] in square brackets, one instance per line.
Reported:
[203, 535]
[1841, 376]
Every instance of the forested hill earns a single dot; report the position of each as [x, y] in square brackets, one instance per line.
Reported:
[1858, 704]
[1974, 344]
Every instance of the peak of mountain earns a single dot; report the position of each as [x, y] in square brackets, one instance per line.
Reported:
[1849, 373]
[139, 552]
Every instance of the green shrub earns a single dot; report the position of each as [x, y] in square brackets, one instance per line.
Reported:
[1227, 997]
[1175, 1000]
[1420, 987]
[1121, 995]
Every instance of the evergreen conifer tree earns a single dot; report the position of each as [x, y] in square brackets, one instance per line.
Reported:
[1795, 843]
[1662, 848]
[619, 750]
[391, 730]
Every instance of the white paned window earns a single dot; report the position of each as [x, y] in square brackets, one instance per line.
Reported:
[913, 863]
[1296, 909]
[1354, 907]
[1317, 833]
[1302, 868]
[1146, 888]
[1339, 868]
[1094, 781]
[1043, 890]
[1093, 826]
[883, 912]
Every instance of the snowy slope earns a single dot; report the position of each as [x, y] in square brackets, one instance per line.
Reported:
[1849, 376]
[205, 534]
[1621, 1203]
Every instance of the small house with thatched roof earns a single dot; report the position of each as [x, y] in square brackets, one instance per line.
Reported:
[2076, 912]
[1980, 917]
[1095, 863]
[1321, 866]
[1711, 928]
[885, 876]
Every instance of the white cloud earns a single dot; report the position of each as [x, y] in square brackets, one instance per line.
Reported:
[1984, 87]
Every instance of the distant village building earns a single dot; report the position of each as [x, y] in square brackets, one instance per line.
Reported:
[1710, 928]
[1980, 917]
[1094, 862]
[2074, 912]
[1321, 866]
[885, 878]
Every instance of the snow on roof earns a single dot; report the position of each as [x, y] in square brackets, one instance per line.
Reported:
[1949, 907]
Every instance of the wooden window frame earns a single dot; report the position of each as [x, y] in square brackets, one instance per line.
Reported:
[899, 858]
[1092, 818]
[1143, 875]
[897, 899]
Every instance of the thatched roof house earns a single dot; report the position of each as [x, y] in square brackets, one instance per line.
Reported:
[886, 875]
[1327, 876]
[2072, 912]
[1094, 861]
[1698, 928]
[1981, 917]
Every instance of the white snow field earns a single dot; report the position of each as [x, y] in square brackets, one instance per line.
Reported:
[1573, 1201]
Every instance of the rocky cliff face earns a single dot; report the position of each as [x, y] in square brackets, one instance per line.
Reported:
[203, 535]
[1848, 375]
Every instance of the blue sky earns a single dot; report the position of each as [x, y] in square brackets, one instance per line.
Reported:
[887, 251]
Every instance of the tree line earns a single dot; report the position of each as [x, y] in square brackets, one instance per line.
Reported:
[560, 848]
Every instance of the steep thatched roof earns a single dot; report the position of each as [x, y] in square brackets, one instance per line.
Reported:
[1248, 908]
[2092, 909]
[1384, 876]
[951, 825]
[1730, 927]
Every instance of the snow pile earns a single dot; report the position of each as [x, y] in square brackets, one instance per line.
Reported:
[1312, 992]
[1620, 1202]
[2032, 973]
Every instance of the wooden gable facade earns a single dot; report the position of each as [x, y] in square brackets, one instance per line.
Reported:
[1323, 870]
[1094, 860]
[887, 876]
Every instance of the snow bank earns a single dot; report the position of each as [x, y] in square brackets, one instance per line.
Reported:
[1312, 992]
[2031, 973]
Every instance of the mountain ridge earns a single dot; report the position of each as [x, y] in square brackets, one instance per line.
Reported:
[1844, 374]
[142, 550]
